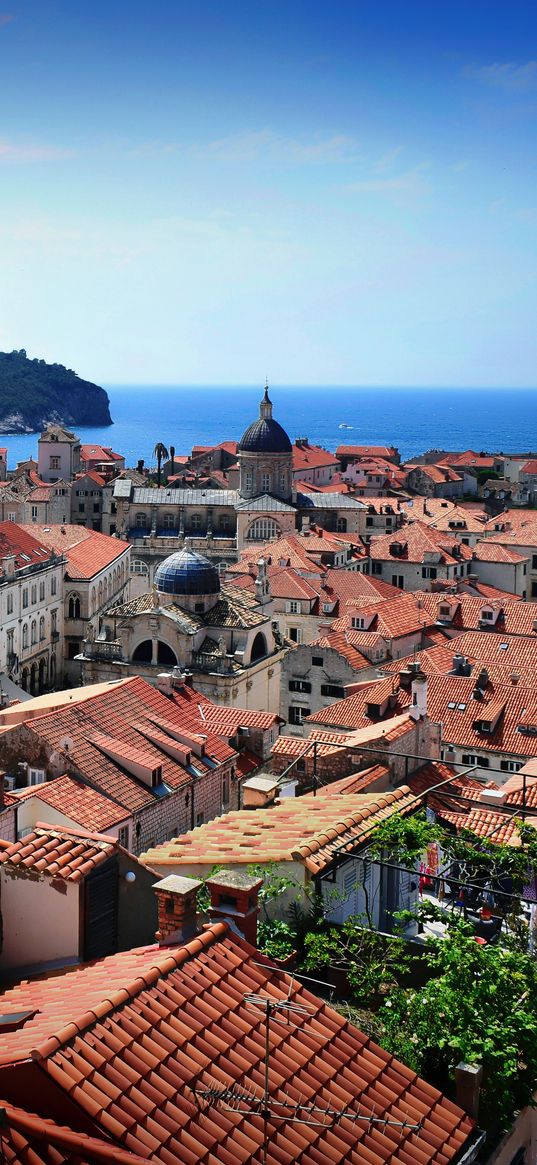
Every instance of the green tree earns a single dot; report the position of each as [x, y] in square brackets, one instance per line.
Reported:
[160, 452]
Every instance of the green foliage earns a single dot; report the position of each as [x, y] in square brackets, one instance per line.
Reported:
[275, 938]
[479, 1006]
[37, 392]
[372, 962]
[404, 838]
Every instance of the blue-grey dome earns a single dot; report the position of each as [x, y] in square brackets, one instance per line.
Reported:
[265, 435]
[187, 573]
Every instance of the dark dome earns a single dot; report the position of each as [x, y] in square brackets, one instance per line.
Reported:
[187, 573]
[265, 436]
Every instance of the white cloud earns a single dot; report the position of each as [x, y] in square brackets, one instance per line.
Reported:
[31, 152]
[507, 75]
[253, 144]
[411, 182]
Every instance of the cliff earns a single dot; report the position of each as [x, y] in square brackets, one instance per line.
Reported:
[34, 394]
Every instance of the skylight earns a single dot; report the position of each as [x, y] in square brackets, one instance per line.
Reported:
[461, 707]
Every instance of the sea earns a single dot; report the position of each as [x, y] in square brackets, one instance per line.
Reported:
[413, 419]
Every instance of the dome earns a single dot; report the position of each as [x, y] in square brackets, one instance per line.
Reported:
[187, 573]
[265, 435]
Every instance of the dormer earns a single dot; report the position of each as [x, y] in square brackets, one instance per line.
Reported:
[362, 622]
[431, 557]
[490, 717]
[446, 611]
[488, 615]
[194, 741]
[136, 761]
[397, 549]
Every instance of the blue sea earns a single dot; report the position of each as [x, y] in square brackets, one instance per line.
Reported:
[413, 419]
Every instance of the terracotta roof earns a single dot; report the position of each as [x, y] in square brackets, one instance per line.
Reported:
[128, 1039]
[529, 467]
[350, 713]
[417, 540]
[439, 474]
[311, 457]
[122, 710]
[87, 551]
[365, 451]
[59, 852]
[484, 822]
[489, 551]
[400, 616]
[78, 801]
[305, 829]
[514, 617]
[224, 720]
[99, 453]
[25, 543]
[516, 731]
[27, 1139]
[341, 642]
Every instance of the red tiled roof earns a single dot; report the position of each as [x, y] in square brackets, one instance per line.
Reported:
[87, 551]
[350, 713]
[514, 617]
[27, 1139]
[489, 551]
[59, 852]
[128, 1040]
[306, 829]
[387, 451]
[99, 453]
[77, 801]
[529, 467]
[23, 543]
[311, 457]
[341, 642]
[417, 540]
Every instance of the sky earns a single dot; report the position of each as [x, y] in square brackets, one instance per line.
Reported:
[338, 192]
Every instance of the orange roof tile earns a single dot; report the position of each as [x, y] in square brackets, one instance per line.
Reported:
[59, 852]
[78, 801]
[22, 542]
[87, 551]
[27, 1139]
[128, 1040]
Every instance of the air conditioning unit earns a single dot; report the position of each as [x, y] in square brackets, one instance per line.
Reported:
[9, 784]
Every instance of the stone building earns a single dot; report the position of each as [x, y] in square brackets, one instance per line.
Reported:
[58, 454]
[222, 522]
[223, 636]
[31, 609]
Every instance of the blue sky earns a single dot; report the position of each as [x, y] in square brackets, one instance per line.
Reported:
[337, 192]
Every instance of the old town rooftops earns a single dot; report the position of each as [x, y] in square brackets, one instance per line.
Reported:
[415, 542]
[77, 801]
[305, 829]
[28, 1139]
[127, 1041]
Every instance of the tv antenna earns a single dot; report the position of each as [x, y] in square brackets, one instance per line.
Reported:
[247, 1102]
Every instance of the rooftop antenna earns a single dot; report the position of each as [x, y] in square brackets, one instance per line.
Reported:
[246, 1102]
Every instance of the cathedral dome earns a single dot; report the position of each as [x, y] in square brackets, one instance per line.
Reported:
[265, 435]
[187, 573]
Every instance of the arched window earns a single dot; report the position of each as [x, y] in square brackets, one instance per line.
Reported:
[259, 647]
[141, 521]
[263, 530]
[105, 590]
[100, 593]
[34, 631]
[143, 653]
[93, 599]
[73, 608]
[42, 627]
[25, 635]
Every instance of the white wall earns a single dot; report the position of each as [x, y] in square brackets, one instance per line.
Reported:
[26, 904]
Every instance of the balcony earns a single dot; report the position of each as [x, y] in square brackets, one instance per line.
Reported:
[103, 649]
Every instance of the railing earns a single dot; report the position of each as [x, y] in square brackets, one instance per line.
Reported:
[103, 649]
[213, 663]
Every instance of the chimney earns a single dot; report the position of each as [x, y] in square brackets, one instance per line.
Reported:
[172, 459]
[418, 708]
[468, 1078]
[176, 909]
[9, 565]
[235, 899]
[165, 683]
[305, 529]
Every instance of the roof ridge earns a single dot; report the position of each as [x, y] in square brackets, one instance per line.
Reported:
[171, 959]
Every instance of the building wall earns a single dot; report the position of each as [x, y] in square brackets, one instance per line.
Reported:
[31, 608]
[66, 453]
[507, 576]
[299, 667]
[25, 904]
[30, 810]
[411, 573]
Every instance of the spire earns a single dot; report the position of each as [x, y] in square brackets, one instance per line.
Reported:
[265, 408]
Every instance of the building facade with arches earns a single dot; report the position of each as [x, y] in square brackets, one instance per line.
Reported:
[222, 636]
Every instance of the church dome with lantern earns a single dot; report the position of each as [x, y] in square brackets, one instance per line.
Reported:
[265, 456]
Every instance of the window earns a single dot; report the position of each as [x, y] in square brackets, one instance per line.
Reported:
[42, 627]
[25, 597]
[299, 686]
[81, 507]
[35, 513]
[376, 568]
[293, 607]
[333, 690]
[10, 603]
[297, 715]
[470, 758]
[265, 483]
[55, 462]
[341, 525]
[196, 522]
[430, 571]
[123, 836]
[33, 594]
[11, 517]
[225, 789]
[358, 622]
[263, 530]
[511, 766]
[53, 585]
[369, 521]
[248, 479]
[199, 819]
[25, 635]
[10, 642]
[34, 631]
[397, 581]
[73, 648]
[295, 634]
[74, 607]
[140, 521]
[168, 521]
[283, 482]
[41, 590]
[317, 661]
[327, 607]
[534, 562]
[53, 620]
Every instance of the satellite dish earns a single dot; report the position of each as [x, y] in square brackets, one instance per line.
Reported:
[66, 744]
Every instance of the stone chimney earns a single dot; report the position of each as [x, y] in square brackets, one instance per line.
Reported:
[235, 900]
[468, 1078]
[176, 909]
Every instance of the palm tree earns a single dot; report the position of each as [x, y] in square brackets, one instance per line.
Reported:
[160, 452]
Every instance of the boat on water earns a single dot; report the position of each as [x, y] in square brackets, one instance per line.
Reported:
[344, 426]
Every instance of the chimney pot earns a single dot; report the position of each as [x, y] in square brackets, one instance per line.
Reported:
[177, 909]
[234, 898]
[468, 1078]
